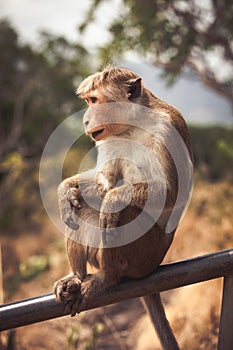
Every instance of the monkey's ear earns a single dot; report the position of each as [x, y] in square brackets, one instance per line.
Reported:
[134, 90]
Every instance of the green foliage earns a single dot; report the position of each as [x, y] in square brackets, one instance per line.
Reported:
[213, 152]
[79, 336]
[97, 329]
[33, 266]
[28, 270]
[174, 35]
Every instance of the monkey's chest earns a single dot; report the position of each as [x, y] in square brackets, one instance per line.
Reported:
[132, 172]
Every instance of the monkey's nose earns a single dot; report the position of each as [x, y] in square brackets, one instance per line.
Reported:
[87, 118]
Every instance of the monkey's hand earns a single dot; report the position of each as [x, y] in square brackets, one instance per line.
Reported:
[68, 291]
[68, 199]
[105, 181]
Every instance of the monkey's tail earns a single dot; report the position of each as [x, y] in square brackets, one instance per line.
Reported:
[157, 315]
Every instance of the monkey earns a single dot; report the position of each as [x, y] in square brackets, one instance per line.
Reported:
[119, 215]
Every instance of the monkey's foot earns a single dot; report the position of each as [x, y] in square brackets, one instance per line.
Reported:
[68, 291]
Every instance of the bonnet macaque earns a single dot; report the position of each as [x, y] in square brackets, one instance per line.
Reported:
[123, 214]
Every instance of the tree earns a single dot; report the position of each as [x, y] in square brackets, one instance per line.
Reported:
[177, 35]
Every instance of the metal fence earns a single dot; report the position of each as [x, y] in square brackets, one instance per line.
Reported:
[166, 277]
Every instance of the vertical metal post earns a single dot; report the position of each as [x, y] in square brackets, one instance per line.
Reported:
[225, 340]
[1, 278]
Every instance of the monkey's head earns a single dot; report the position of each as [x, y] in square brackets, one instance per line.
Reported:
[111, 85]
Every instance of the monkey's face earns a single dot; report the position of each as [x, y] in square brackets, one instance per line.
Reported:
[105, 116]
[101, 122]
[102, 118]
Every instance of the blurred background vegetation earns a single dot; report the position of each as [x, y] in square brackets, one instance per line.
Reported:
[37, 92]
[37, 85]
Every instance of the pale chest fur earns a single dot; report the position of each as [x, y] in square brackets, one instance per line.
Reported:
[130, 160]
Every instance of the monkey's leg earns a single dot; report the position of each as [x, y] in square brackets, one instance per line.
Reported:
[138, 194]
[159, 201]
[108, 276]
[67, 289]
[119, 198]
[157, 314]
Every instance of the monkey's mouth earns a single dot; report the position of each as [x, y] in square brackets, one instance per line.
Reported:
[97, 134]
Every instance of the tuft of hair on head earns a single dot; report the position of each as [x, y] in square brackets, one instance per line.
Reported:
[117, 75]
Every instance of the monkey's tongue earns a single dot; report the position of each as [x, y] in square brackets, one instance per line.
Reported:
[95, 134]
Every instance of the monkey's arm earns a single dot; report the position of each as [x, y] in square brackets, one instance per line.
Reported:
[151, 196]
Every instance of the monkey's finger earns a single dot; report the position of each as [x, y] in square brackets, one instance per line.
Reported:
[75, 307]
[75, 203]
[73, 301]
[62, 295]
[67, 214]
[67, 308]
[71, 307]
[71, 223]
[74, 193]
[102, 220]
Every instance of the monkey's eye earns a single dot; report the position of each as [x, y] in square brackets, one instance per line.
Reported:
[93, 99]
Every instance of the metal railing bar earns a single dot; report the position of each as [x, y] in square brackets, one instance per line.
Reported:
[166, 277]
[225, 340]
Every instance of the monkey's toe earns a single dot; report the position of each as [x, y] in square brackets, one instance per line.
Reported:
[67, 290]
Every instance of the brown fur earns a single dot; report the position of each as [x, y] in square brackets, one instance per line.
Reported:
[141, 256]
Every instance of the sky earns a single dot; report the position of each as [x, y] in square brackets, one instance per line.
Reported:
[59, 17]
[197, 104]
